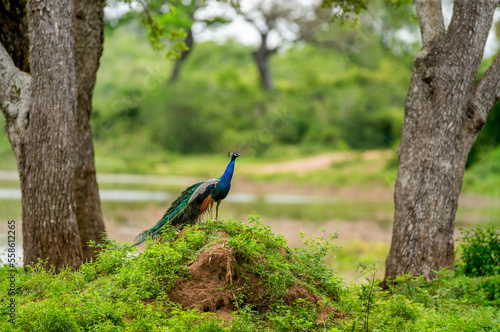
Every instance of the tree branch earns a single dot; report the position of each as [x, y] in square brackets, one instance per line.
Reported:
[252, 22]
[15, 98]
[485, 94]
[148, 14]
[430, 18]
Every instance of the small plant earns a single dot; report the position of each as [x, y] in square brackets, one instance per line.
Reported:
[264, 286]
[481, 250]
[367, 298]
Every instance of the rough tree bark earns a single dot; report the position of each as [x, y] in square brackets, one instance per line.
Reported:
[89, 37]
[444, 112]
[46, 161]
[47, 122]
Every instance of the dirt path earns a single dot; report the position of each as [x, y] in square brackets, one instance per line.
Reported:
[322, 161]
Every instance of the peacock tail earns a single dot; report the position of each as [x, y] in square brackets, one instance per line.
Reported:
[192, 203]
[175, 214]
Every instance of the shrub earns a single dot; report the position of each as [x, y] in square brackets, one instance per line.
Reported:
[481, 251]
[276, 289]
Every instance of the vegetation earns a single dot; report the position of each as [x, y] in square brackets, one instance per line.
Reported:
[270, 287]
[337, 99]
[481, 251]
[348, 97]
[316, 104]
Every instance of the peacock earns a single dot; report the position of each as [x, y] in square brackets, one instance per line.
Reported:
[193, 202]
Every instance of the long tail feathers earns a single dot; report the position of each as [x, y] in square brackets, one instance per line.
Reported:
[175, 215]
[149, 233]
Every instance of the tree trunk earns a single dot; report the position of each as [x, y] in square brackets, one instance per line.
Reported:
[261, 57]
[89, 37]
[14, 32]
[46, 161]
[185, 53]
[14, 65]
[439, 128]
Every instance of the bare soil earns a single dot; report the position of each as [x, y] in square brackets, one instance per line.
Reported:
[313, 163]
[218, 275]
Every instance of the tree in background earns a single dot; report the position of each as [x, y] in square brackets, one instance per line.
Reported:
[444, 112]
[169, 24]
[383, 19]
[46, 82]
[291, 21]
[288, 21]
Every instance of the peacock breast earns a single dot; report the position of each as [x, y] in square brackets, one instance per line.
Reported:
[220, 191]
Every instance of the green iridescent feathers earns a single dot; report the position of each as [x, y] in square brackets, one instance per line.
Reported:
[175, 214]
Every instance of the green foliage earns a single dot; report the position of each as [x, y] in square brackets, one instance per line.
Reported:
[301, 316]
[488, 138]
[310, 262]
[166, 28]
[368, 308]
[480, 250]
[348, 7]
[476, 280]
[450, 302]
[167, 23]
[267, 255]
[217, 105]
[124, 290]
[449, 290]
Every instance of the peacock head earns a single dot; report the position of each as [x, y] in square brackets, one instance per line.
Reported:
[234, 155]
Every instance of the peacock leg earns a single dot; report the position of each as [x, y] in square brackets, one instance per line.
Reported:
[217, 211]
[212, 210]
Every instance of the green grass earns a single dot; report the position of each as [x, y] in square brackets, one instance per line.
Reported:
[7, 158]
[475, 215]
[123, 290]
[483, 178]
[355, 257]
[10, 209]
[11, 184]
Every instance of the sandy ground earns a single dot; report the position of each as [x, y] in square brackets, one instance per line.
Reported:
[368, 231]
[318, 162]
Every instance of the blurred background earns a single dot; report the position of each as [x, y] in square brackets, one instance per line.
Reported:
[313, 104]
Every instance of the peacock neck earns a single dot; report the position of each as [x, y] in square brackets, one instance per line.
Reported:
[228, 173]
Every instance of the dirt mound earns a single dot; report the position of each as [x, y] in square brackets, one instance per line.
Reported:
[209, 274]
[217, 276]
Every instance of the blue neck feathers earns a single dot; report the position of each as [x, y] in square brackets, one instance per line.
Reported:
[228, 173]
